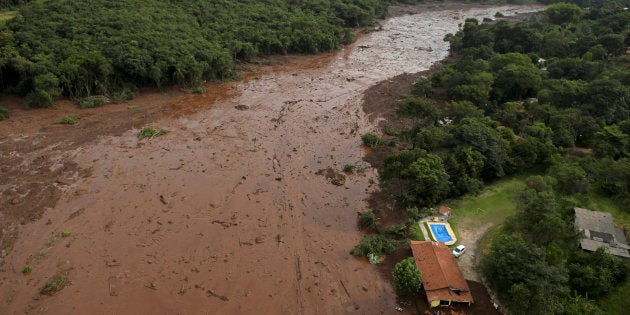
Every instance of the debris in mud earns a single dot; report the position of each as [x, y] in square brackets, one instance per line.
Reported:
[333, 176]
[55, 284]
[112, 263]
[211, 293]
[224, 224]
[163, 200]
[151, 285]
[241, 107]
[259, 240]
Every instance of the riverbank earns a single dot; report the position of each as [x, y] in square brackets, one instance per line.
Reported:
[226, 213]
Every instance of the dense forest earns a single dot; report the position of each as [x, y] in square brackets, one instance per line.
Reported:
[548, 98]
[81, 48]
[76, 49]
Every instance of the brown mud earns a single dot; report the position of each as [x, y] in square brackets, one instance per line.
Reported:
[226, 213]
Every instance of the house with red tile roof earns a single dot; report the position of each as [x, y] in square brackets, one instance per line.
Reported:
[442, 280]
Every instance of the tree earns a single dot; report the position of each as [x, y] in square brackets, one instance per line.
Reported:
[522, 278]
[597, 273]
[458, 110]
[611, 142]
[561, 13]
[570, 177]
[486, 140]
[427, 180]
[407, 277]
[419, 109]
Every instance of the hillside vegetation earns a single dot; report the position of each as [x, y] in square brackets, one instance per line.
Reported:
[80, 48]
[548, 98]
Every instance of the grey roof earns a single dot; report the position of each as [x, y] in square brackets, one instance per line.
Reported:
[599, 231]
[594, 221]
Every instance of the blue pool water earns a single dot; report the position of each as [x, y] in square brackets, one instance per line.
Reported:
[440, 232]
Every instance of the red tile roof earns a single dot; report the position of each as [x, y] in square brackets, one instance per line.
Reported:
[441, 278]
[444, 210]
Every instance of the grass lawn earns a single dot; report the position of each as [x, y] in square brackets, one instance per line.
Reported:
[493, 205]
[416, 232]
[598, 203]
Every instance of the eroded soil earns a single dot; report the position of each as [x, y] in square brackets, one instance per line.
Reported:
[226, 213]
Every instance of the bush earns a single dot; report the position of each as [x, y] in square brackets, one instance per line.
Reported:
[54, 285]
[125, 95]
[416, 214]
[397, 230]
[348, 168]
[69, 120]
[371, 140]
[198, 90]
[92, 101]
[407, 277]
[391, 131]
[27, 269]
[4, 113]
[148, 132]
[367, 219]
[375, 244]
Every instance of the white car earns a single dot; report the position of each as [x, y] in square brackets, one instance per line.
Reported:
[459, 250]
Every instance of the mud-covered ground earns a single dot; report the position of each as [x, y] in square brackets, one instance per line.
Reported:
[232, 211]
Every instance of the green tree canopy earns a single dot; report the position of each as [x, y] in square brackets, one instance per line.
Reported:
[407, 277]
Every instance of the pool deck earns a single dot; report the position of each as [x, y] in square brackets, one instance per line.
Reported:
[445, 224]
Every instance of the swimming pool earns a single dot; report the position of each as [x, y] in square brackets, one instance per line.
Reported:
[442, 232]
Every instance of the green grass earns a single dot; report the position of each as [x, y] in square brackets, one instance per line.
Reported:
[416, 232]
[148, 132]
[65, 233]
[483, 244]
[455, 227]
[69, 120]
[599, 203]
[493, 205]
[27, 269]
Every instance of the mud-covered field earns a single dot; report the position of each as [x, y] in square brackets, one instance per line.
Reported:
[234, 210]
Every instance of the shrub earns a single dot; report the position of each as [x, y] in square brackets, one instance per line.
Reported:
[371, 140]
[367, 219]
[55, 284]
[125, 95]
[416, 214]
[92, 101]
[348, 168]
[148, 132]
[374, 259]
[422, 88]
[65, 233]
[198, 90]
[27, 269]
[396, 230]
[69, 120]
[4, 113]
[391, 131]
[407, 277]
[375, 244]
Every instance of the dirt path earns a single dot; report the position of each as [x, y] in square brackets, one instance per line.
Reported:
[469, 237]
[225, 214]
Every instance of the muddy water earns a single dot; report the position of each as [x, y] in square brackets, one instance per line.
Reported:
[225, 214]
